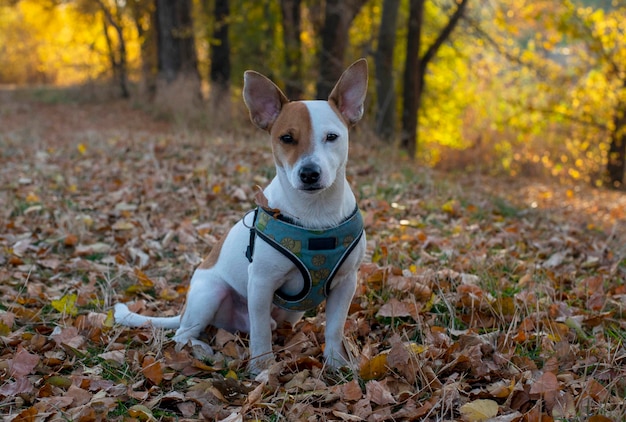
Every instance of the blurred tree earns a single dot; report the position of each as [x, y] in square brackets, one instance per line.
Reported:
[112, 12]
[338, 17]
[384, 123]
[604, 34]
[292, 28]
[616, 162]
[220, 52]
[143, 15]
[416, 65]
[178, 77]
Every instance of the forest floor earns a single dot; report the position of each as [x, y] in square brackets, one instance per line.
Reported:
[481, 298]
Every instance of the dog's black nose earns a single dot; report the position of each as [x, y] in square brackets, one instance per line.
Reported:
[310, 174]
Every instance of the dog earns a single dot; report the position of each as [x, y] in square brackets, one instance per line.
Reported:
[304, 242]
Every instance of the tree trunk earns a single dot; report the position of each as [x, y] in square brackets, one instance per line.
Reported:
[144, 17]
[337, 19]
[220, 49]
[293, 47]
[178, 82]
[413, 78]
[385, 90]
[118, 58]
[415, 69]
[616, 164]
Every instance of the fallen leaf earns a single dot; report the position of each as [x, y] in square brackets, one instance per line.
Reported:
[27, 415]
[23, 363]
[66, 305]
[479, 410]
[13, 388]
[377, 392]
[547, 383]
[351, 391]
[397, 309]
[152, 369]
[141, 412]
[374, 368]
[117, 356]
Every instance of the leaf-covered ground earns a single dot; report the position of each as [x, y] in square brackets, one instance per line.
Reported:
[479, 298]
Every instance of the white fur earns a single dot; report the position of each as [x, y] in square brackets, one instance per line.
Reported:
[237, 295]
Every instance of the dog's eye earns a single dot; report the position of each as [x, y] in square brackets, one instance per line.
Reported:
[331, 137]
[287, 139]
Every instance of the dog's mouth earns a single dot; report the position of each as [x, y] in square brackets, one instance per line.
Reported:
[312, 188]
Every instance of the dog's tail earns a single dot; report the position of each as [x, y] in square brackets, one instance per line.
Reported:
[124, 316]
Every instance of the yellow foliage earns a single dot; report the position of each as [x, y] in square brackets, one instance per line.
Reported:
[56, 45]
[66, 304]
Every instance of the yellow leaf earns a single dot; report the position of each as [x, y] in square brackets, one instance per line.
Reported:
[141, 412]
[81, 148]
[32, 197]
[144, 283]
[431, 302]
[143, 279]
[66, 305]
[374, 368]
[59, 381]
[451, 207]
[5, 330]
[479, 410]
[231, 374]
[109, 321]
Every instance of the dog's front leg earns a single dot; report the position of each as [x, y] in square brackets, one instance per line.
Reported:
[337, 307]
[260, 295]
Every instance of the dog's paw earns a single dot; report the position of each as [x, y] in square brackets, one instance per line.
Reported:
[337, 358]
[199, 348]
[260, 364]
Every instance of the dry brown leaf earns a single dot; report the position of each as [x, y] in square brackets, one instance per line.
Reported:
[397, 309]
[27, 415]
[599, 418]
[350, 391]
[23, 363]
[547, 383]
[20, 386]
[255, 395]
[378, 393]
[152, 369]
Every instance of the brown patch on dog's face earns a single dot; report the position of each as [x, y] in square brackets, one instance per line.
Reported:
[292, 134]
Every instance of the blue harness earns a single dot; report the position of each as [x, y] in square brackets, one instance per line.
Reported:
[318, 254]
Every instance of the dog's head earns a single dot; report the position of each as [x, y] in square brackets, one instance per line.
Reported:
[309, 138]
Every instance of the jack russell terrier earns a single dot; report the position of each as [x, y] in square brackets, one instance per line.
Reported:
[304, 242]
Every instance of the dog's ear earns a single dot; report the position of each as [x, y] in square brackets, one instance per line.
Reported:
[263, 99]
[349, 92]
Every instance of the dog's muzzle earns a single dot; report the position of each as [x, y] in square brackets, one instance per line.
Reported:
[310, 176]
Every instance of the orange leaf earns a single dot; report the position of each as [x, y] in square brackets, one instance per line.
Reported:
[143, 279]
[152, 369]
[599, 418]
[28, 415]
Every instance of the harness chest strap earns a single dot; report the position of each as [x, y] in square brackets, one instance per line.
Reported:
[318, 254]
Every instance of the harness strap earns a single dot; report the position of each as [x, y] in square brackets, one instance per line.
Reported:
[250, 248]
[323, 250]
